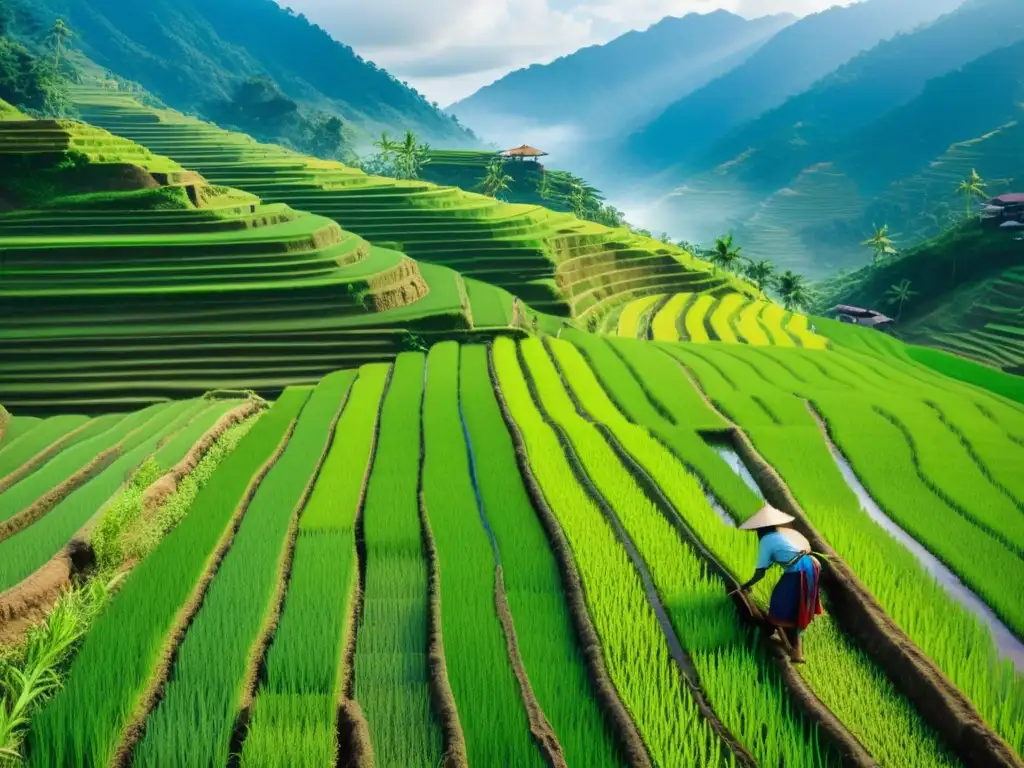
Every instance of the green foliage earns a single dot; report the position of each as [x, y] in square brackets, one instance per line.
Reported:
[795, 292]
[654, 692]
[34, 85]
[46, 436]
[203, 697]
[491, 710]
[259, 107]
[294, 713]
[32, 672]
[725, 254]
[391, 669]
[550, 652]
[83, 724]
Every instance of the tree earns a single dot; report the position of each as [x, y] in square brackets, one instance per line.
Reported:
[725, 254]
[411, 157]
[794, 291]
[386, 145]
[880, 243]
[900, 293]
[495, 179]
[328, 136]
[971, 187]
[760, 273]
[58, 34]
[578, 201]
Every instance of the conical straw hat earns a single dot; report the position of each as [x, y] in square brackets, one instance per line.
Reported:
[767, 516]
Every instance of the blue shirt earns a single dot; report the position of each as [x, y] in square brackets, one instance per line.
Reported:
[781, 547]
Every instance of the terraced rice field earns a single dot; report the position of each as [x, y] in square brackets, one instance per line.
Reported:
[519, 554]
[552, 261]
[715, 316]
[177, 286]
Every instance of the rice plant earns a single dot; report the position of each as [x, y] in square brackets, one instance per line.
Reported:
[547, 644]
[703, 617]
[635, 648]
[193, 723]
[29, 549]
[491, 709]
[391, 673]
[939, 625]
[52, 431]
[294, 716]
[83, 724]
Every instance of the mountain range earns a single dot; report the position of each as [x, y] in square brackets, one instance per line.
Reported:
[606, 90]
[192, 53]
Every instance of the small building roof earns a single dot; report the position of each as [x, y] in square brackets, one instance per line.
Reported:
[1013, 197]
[1011, 225]
[877, 319]
[524, 151]
[846, 309]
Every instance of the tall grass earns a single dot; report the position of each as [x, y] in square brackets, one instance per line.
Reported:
[939, 625]
[29, 550]
[704, 618]
[294, 717]
[392, 676]
[194, 721]
[635, 648]
[881, 716]
[547, 644]
[491, 708]
[84, 723]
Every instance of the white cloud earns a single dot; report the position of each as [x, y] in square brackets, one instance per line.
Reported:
[449, 48]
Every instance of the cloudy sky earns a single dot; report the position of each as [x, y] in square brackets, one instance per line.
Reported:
[449, 48]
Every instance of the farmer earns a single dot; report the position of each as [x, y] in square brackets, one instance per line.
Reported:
[795, 600]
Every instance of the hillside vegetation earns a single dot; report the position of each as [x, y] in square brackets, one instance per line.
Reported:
[553, 261]
[194, 55]
[967, 294]
[127, 277]
[787, 64]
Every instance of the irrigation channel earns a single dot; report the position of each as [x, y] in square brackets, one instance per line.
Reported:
[1008, 645]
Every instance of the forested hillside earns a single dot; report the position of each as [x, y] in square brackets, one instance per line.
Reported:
[786, 65]
[194, 55]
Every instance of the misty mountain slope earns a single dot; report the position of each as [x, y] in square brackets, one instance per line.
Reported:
[804, 130]
[786, 65]
[902, 170]
[192, 52]
[605, 89]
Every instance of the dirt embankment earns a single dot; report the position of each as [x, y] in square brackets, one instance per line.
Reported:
[51, 499]
[860, 615]
[40, 458]
[5, 419]
[152, 692]
[28, 602]
[631, 746]
[540, 727]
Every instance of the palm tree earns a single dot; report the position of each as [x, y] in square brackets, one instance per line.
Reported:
[387, 146]
[725, 254]
[578, 201]
[794, 291]
[971, 187]
[411, 156]
[58, 34]
[760, 273]
[880, 244]
[495, 180]
[900, 293]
